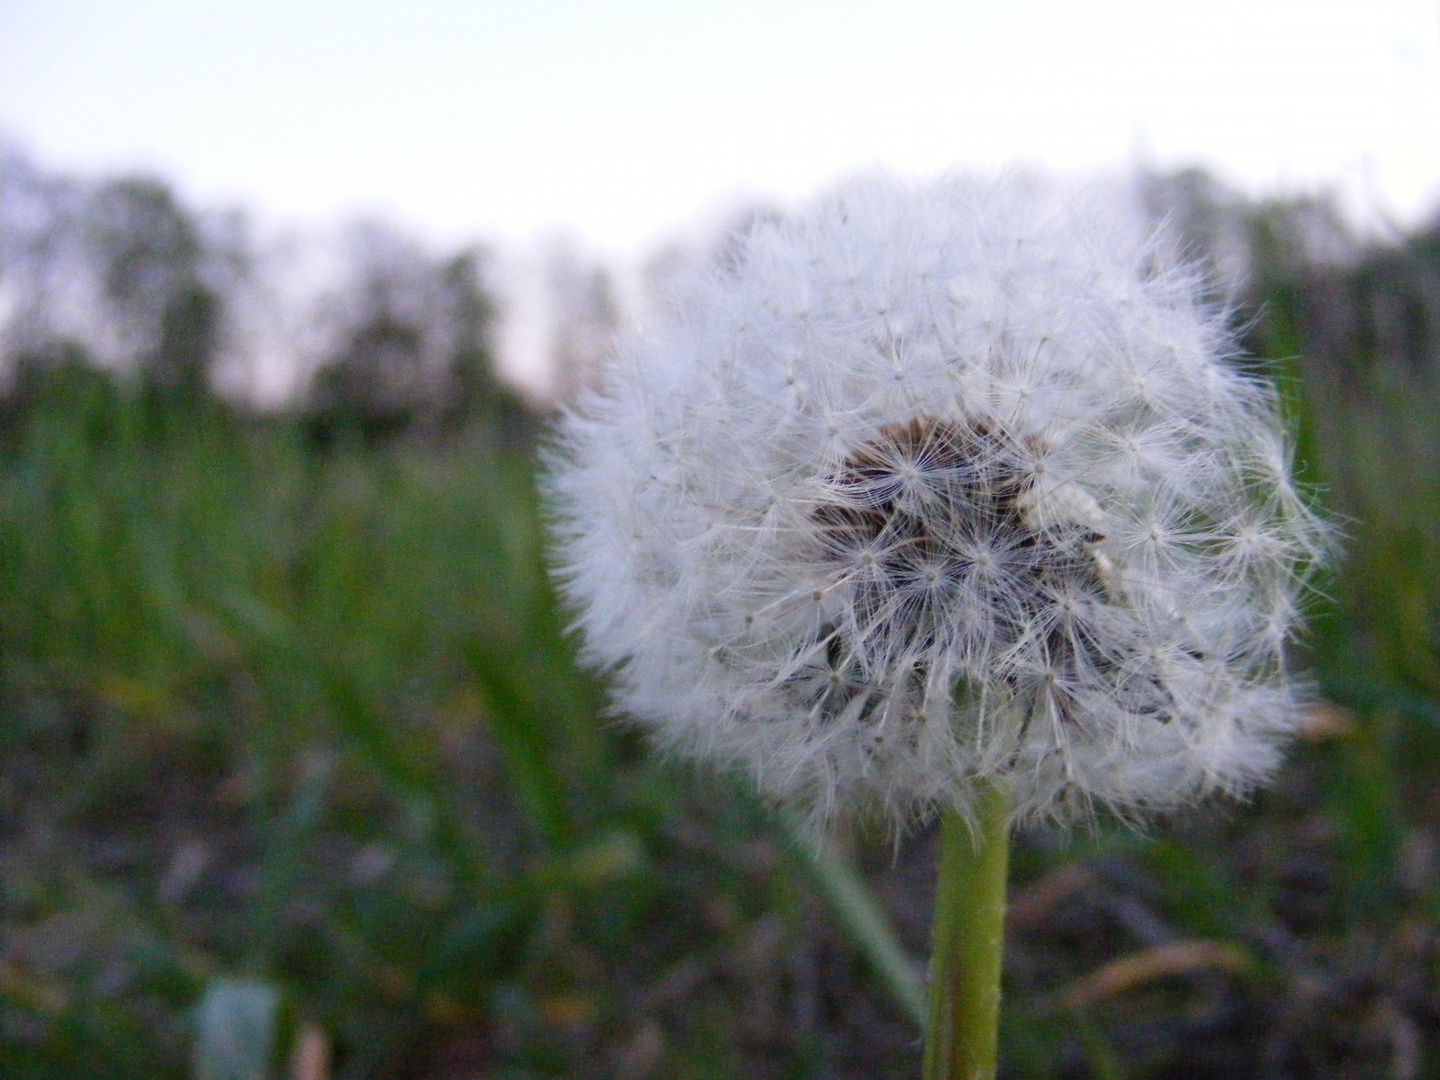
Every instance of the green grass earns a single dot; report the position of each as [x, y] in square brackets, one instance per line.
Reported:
[310, 717]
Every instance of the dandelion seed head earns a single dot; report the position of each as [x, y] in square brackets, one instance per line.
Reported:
[930, 485]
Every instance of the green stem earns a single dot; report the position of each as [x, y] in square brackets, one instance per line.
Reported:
[969, 937]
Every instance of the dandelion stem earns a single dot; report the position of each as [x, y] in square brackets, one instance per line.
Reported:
[969, 937]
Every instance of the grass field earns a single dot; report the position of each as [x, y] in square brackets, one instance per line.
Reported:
[292, 738]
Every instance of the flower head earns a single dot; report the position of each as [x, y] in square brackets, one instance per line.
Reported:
[933, 486]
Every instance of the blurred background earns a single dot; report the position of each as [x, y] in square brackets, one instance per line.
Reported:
[298, 777]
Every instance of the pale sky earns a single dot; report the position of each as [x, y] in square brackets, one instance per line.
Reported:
[618, 122]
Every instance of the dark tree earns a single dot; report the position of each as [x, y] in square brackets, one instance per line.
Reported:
[407, 344]
[118, 269]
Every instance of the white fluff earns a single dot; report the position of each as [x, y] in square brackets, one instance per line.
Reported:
[937, 484]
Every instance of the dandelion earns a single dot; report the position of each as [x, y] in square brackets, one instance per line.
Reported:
[939, 486]
[943, 499]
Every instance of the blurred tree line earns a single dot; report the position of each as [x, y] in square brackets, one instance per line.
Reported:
[120, 275]
[1314, 287]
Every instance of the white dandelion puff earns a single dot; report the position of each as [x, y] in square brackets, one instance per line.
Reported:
[933, 486]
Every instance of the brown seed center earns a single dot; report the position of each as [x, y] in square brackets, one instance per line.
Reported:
[929, 529]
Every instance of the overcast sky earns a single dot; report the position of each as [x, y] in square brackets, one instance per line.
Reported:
[616, 122]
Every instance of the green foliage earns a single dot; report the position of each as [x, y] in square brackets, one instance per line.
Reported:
[311, 718]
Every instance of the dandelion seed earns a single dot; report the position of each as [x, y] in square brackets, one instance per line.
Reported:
[896, 504]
